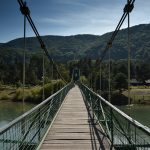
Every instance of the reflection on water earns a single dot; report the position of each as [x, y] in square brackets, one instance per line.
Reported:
[141, 113]
[11, 110]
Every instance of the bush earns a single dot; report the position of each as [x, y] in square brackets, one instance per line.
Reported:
[30, 95]
[4, 97]
[18, 84]
[34, 94]
[52, 87]
[84, 80]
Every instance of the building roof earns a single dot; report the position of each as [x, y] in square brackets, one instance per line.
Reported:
[147, 81]
[135, 81]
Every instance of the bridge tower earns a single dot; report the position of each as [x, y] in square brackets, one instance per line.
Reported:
[76, 74]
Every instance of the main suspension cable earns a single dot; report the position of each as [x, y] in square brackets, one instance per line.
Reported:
[127, 9]
[26, 12]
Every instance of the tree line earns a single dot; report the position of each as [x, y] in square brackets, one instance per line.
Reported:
[11, 71]
[90, 69]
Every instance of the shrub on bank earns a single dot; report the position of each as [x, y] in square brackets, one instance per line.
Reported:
[34, 94]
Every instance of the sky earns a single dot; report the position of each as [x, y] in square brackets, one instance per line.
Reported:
[68, 17]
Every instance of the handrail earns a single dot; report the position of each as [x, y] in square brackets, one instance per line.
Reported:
[121, 129]
[27, 131]
[133, 121]
[30, 111]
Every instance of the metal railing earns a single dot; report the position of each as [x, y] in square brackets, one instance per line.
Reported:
[123, 131]
[27, 131]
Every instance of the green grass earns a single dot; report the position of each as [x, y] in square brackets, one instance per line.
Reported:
[140, 87]
[140, 99]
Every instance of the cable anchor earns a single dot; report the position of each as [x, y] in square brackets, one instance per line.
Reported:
[43, 46]
[109, 44]
[24, 9]
[128, 8]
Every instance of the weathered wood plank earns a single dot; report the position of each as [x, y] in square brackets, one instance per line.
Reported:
[70, 141]
[73, 128]
[67, 147]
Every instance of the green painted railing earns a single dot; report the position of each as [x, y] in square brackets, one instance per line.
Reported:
[27, 131]
[123, 131]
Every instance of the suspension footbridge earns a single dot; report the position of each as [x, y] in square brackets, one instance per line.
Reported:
[75, 127]
[75, 117]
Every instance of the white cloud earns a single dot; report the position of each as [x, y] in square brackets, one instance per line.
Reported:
[72, 3]
[53, 21]
[95, 19]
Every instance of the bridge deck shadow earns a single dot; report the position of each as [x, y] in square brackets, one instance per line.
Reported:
[75, 128]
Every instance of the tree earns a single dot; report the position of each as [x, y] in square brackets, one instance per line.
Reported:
[143, 72]
[120, 82]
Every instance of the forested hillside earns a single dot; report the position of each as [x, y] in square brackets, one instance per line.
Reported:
[63, 48]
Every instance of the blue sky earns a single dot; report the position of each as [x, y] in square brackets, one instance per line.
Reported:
[68, 17]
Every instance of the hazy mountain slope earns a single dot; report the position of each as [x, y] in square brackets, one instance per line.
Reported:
[64, 47]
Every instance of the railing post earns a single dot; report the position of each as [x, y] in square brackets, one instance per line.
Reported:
[135, 135]
[112, 129]
[39, 123]
[23, 126]
[99, 101]
[129, 131]
[60, 99]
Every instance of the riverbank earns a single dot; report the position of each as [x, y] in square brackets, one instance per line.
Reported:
[32, 94]
[7, 92]
[139, 95]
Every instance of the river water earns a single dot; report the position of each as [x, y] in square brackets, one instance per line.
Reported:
[11, 110]
[141, 113]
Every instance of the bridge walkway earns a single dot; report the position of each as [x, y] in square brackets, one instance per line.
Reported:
[74, 127]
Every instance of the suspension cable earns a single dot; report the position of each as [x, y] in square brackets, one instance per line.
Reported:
[109, 85]
[129, 55]
[52, 76]
[129, 59]
[26, 12]
[94, 84]
[43, 78]
[57, 81]
[127, 9]
[100, 78]
[91, 80]
[24, 65]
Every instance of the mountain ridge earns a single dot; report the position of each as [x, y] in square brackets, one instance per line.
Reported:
[64, 48]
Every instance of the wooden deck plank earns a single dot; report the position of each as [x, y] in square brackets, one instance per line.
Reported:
[73, 128]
